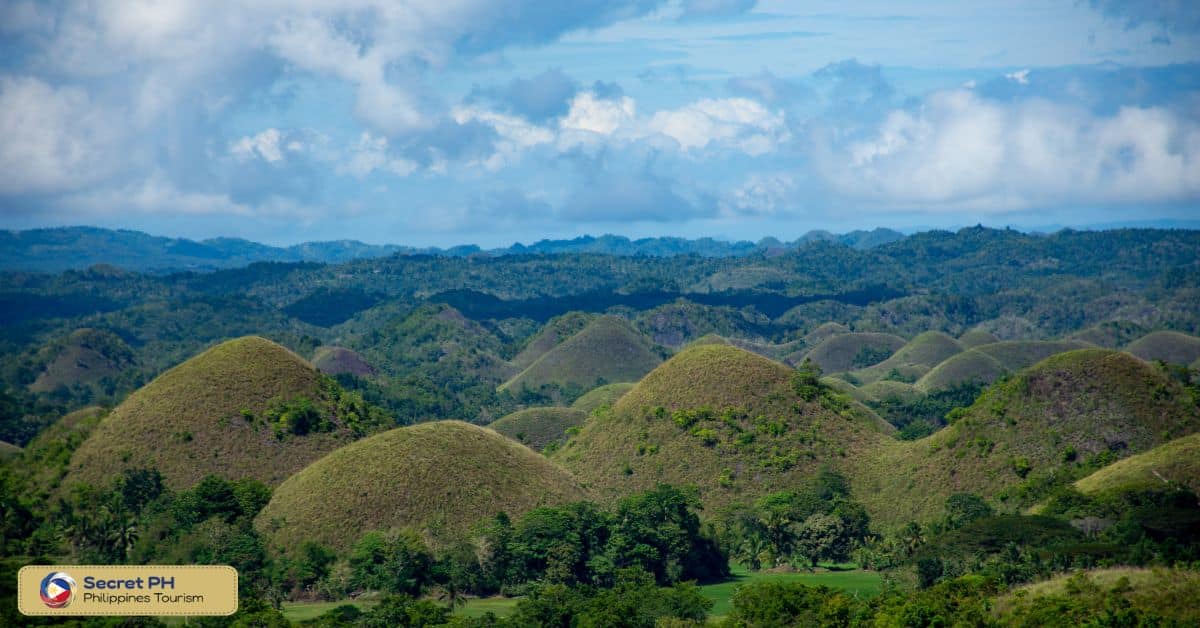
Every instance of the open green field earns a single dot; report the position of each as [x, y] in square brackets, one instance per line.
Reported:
[856, 581]
[303, 611]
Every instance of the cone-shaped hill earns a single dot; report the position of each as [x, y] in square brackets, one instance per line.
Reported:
[1063, 410]
[976, 337]
[723, 419]
[845, 352]
[437, 478]
[915, 358]
[1171, 347]
[1174, 463]
[339, 360]
[987, 363]
[244, 408]
[607, 350]
[85, 356]
[538, 427]
[551, 335]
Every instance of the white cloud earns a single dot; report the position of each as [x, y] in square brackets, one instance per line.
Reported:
[370, 155]
[762, 194]
[962, 151]
[1021, 77]
[737, 122]
[598, 115]
[54, 138]
[264, 145]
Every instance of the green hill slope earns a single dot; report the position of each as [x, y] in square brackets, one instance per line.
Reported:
[438, 478]
[552, 333]
[1175, 462]
[607, 350]
[210, 415]
[338, 360]
[1171, 347]
[537, 428]
[915, 358]
[846, 352]
[605, 395]
[987, 363]
[1063, 411]
[723, 419]
[8, 450]
[976, 337]
[85, 356]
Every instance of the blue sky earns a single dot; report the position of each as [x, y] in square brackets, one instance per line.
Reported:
[456, 121]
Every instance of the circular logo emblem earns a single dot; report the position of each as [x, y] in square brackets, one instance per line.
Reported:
[57, 589]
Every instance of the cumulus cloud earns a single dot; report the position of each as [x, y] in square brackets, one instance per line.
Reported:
[958, 150]
[55, 138]
[736, 122]
[770, 89]
[539, 98]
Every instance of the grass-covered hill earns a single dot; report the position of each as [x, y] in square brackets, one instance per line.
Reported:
[914, 359]
[1171, 347]
[84, 356]
[1110, 334]
[537, 428]
[47, 457]
[1167, 593]
[605, 395]
[985, 364]
[975, 337]
[554, 332]
[823, 332]
[846, 352]
[607, 350]
[244, 408]
[1075, 408]
[723, 419]
[339, 360]
[1175, 462]
[437, 478]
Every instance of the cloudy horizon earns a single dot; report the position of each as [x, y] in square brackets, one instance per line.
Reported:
[482, 122]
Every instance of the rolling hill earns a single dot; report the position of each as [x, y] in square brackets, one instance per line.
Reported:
[985, 364]
[209, 415]
[338, 360]
[722, 419]
[552, 333]
[85, 356]
[1171, 347]
[8, 450]
[536, 428]
[1062, 411]
[436, 478]
[845, 352]
[1177, 461]
[605, 395]
[607, 350]
[976, 337]
[914, 359]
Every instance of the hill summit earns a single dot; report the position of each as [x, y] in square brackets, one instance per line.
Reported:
[607, 350]
[244, 408]
[437, 478]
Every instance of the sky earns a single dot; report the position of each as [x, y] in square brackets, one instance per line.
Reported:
[460, 121]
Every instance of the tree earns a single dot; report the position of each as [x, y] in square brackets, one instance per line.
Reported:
[822, 537]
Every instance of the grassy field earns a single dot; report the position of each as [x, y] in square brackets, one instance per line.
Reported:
[855, 581]
[302, 611]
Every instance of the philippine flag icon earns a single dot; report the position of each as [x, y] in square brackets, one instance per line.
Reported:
[57, 589]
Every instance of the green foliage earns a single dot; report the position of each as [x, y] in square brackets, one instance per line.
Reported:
[396, 562]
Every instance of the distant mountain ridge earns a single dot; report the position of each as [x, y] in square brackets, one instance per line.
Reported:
[66, 248]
